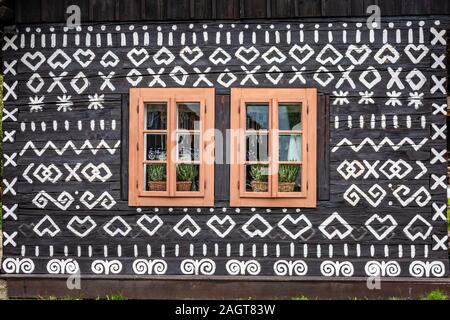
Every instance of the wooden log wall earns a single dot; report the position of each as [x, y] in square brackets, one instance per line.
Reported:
[120, 10]
[66, 94]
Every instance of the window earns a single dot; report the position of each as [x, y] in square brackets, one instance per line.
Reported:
[171, 147]
[273, 147]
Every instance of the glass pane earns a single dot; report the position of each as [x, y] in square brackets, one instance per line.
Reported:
[188, 116]
[257, 147]
[155, 177]
[290, 116]
[155, 146]
[257, 178]
[188, 147]
[290, 147]
[289, 178]
[257, 116]
[187, 177]
[156, 116]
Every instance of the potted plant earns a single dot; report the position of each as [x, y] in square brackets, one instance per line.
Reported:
[259, 176]
[186, 174]
[156, 177]
[287, 174]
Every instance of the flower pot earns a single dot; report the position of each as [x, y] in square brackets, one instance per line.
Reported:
[184, 185]
[260, 186]
[157, 185]
[286, 186]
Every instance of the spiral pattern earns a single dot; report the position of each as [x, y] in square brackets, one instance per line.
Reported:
[417, 269]
[11, 265]
[437, 269]
[328, 268]
[188, 266]
[299, 268]
[234, 267]
[392, 269]
[115, 266]
[159, 267]
[141, 266]
[281, 268]
[98, 266]
[207, 267]
[252, 267]
[55, 266]
[346, 268]
[374, 269]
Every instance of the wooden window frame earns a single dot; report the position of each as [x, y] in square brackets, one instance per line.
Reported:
[137, 196]
[239, 197]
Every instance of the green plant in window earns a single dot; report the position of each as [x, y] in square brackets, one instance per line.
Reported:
[259, 173]
[156, 172]
[288, 173]
[186, 172]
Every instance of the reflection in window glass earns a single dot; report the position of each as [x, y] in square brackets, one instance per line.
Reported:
[257, 116]
[188, 147]
[290, 147]
[156, 116]
[289, 116]
[188, 116]
[257, 147]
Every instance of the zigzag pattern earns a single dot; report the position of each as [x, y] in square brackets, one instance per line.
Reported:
[69, 144]
[357, 148]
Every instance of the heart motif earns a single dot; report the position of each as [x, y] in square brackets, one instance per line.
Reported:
[296, 53]
[109, 59]
[80, 53]
[29, 59]
[379, 220]
[251, 54]
[362, 53]
[147, 224]
[189, 55]
[221, 222]
[81, 227]
[387, 53]
[423, 50]
[288, 222]
[138, 57]
[219, 56]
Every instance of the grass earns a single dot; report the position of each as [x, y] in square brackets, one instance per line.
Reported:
[107, 297]
[435, 295]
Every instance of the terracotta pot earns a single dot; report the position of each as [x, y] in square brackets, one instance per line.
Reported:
[286, 186]
[157, 185]
[260, 186]
[184, 185]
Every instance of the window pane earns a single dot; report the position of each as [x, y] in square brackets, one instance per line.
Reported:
[155, 177]
[290, 147]
[188, 116]
[289, 178]
[257, 147]
[257, 116]
[155, 146]
[188, 147]
[187, 177]
[290, 116]
[156, 116]
[257, 178]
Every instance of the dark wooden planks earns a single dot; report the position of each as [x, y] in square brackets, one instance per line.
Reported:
[323, 147]
[28, 11]
[201, 9]
[178, 9]
[124, 149]
[130, 10]
[154, 9]
[254, 9]
[102, 10]
[227, 9]
[222, 169]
